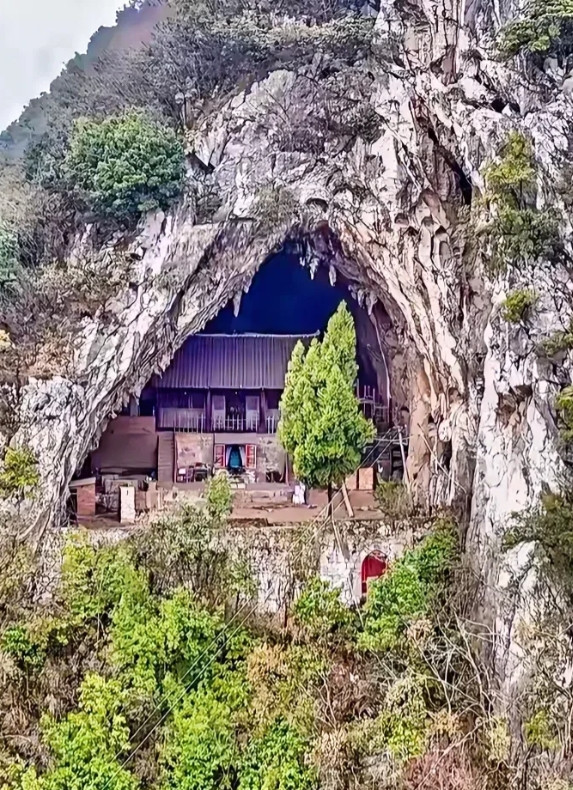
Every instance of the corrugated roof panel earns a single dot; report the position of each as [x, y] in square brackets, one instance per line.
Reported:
[231, 362]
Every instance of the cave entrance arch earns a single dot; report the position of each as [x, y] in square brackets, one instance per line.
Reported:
[217, 404]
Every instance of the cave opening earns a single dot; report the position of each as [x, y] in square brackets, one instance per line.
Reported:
[217, 404]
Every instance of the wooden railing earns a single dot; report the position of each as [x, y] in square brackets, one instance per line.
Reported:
[183, 421]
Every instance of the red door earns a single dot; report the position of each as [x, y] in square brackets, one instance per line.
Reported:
[373, 566]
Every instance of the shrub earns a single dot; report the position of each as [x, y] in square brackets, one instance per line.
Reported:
[517, 304]
[19, 474]
[320, 610]
[125, 165]
[564, 406]
[407, 591]
[277, 760]
[86, 743]
[521, 235]
[283, 680]
[515, 169]
[178, 549]
[550, 526]
[540, 731]
[30, 643]
[10, 268]
[518, 233]
[402, 728]
[17, 643]
[547, 28]
[393, 499]
[559, 341]
[219, 498]
[95, 579]
[154, 646]
[499, 739]
[201, 752]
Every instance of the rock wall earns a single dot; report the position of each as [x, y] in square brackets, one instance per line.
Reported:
[392, 216]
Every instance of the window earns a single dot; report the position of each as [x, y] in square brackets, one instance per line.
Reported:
[273, 398]
[197, 400]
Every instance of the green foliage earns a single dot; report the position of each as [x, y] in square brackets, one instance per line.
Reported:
[17, 643]
[546, 28]
[540, 731]
[499, 739]
[407, 591]
[10, 267]
[515, 169]
[518, 232]
[125, 165]
[559, 341]
[393, 499]
[19, 473]
[320, 610]
[153, 646]
[179, 550]
[402, 728]
[321, 426]
[219, 498]
[550, 526]
[85, 743]
[201, 750]
[517, 305]
[276, 675]
[522, 235]
[276, 761]
[564, 406]
[94, 579]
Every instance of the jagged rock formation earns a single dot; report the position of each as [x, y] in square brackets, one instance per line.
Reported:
[393, 216]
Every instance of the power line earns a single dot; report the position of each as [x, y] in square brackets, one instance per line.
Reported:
[214, 656]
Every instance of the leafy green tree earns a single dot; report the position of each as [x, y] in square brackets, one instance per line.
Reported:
[86, 743]
[125, 164]
[321, 425]
[201, 750]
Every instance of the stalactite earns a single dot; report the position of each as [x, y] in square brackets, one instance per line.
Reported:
[237, 303]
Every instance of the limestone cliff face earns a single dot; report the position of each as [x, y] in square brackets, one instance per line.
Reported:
[393, 216]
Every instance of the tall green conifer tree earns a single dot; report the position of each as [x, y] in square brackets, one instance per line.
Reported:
[322, 427]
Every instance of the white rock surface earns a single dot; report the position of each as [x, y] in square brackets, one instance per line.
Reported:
[397, 212]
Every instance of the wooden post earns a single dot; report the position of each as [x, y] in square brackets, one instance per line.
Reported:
[263, 412]
[208, 415]
[347, 501]
[406, 479]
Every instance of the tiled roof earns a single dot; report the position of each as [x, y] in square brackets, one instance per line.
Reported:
[231, 362]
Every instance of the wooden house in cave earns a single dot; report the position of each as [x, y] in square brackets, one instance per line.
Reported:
[216, 406]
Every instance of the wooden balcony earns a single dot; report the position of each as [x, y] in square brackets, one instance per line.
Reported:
[188, 421]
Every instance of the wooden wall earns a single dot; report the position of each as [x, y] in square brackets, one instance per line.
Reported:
[128, 444]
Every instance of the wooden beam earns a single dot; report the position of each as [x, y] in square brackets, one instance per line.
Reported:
[347, 501]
